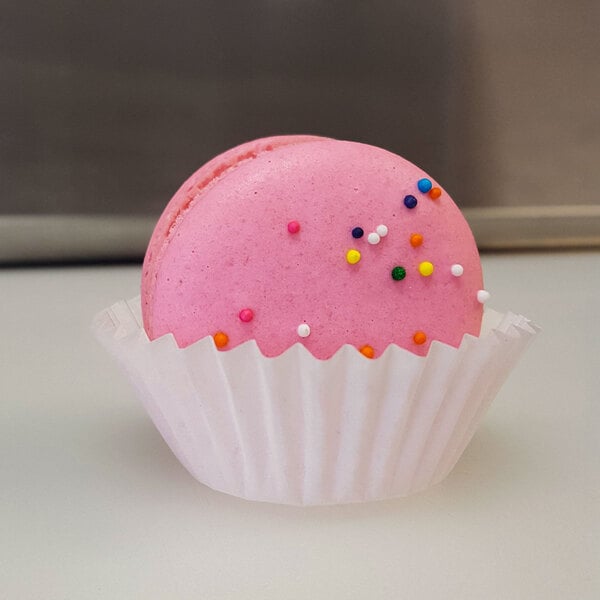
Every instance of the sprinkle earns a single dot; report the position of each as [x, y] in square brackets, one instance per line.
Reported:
[246, 315]
[293, 227]
[424, 185]
[367, 351]
[435, 193]
[221, 339]
[426, 268]
[373, 238]
[358, 232]
[483, 296]
[381, 230]
[303, 330]
[410, 201]
[398, 273]
[457, 270]
[416, 239]
[353, 256]
[419, 337]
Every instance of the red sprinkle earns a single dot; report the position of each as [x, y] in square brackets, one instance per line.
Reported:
[246, 315]
[293, 227]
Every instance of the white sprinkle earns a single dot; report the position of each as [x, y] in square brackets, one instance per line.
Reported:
[457, 270]
[303, 330]
[381, 230]
[483, 296]
[373, 238]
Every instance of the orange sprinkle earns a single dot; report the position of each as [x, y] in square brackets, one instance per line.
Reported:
[416, 239]
[367, 351]
[221, 339]
[419, 337]
[435, 193]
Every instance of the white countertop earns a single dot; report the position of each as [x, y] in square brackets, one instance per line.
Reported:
[94, 505]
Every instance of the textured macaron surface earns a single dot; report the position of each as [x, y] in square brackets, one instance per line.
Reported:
[316, 241]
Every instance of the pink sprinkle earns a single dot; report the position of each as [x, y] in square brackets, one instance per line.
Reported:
[246, 315]
[293, 227]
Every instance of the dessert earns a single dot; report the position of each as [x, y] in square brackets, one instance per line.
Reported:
[311, 326]
[300, 239]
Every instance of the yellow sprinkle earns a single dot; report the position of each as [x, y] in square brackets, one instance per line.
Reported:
[353, 256]
[426, 268]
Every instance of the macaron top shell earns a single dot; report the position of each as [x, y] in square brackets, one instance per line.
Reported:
[316, 241]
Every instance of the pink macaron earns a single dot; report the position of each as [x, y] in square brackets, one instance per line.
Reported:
[302, 239]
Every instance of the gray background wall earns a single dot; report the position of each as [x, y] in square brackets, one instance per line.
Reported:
[107, 106]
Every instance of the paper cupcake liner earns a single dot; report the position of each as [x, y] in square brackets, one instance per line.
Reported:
[298, 430]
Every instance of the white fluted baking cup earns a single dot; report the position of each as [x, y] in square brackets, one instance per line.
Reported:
[298, 430]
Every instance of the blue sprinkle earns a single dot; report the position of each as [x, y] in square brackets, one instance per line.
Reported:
[410, 201]
[358, 232]
[424, 185]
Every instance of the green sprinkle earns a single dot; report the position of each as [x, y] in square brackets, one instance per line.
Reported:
[398, 273]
